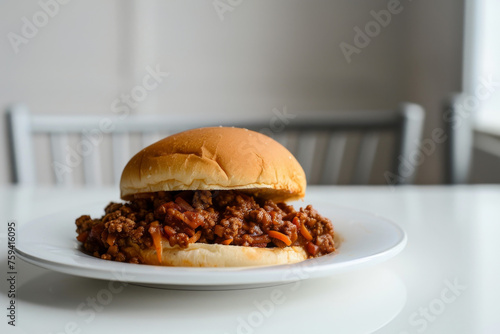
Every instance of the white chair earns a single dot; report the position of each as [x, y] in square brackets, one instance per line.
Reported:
[459, 146]
[318, 140]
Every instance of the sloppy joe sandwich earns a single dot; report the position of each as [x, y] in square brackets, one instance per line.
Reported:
[209, 197]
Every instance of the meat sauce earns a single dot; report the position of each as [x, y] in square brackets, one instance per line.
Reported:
[211, 217]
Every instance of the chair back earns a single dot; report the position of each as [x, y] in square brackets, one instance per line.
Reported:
[318, 140]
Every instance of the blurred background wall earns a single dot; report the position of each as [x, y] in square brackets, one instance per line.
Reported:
[239, 57]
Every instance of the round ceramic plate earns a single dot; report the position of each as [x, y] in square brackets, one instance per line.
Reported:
[50, 242]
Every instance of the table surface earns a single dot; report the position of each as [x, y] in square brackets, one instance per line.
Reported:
[446, 280]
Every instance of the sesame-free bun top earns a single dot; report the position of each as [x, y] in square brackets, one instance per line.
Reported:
[216, 158]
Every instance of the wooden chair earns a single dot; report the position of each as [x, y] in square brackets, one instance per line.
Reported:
[318, 140]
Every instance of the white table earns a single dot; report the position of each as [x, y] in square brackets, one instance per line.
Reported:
[447, 280]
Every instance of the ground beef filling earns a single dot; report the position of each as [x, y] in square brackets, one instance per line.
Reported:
[211, 217]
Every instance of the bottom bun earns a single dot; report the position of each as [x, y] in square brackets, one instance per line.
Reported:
[216, 255]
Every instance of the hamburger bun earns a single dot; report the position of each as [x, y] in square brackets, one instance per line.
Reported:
[216, 158]
[216, 255]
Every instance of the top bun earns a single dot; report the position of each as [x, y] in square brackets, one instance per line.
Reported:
[217, 158]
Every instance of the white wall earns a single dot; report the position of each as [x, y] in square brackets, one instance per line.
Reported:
[263, 55]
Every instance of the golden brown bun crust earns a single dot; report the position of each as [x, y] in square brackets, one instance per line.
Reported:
[215, 255]
[215, 158]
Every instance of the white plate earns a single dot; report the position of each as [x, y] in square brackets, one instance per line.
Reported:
[50, 243]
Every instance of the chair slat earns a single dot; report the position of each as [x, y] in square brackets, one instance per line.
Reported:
[333, 159]
[366, 156]
[63, 172]
[305, 152]
[318, 159]
[292, 139]
[92, 172]
[120, 143]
